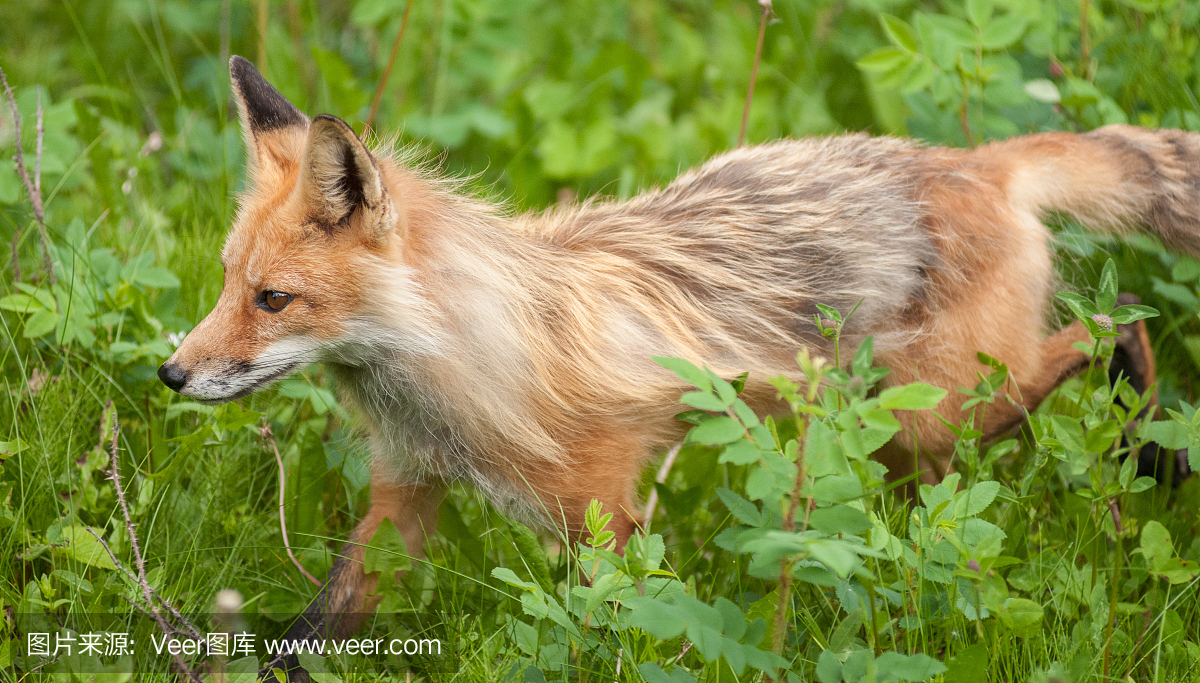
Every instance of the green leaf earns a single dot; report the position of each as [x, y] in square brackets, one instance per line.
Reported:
[653, 673]
[1080, 93]
[863, 357]
[830, 312]
[976, 499]
[717, 431]
[1132, 313]
[704, 401]
[659, 620]
[1069, 432]
[1021, 614]
[1177, 571]
[1142, 484]
[1003, 31]
[915, 396]
[1106, 291]
[1128, 469]
[533, 554]
[386, 552]
[1081, 307]
[916, 667]
[157, 277]
[40, 323]
[839, 519]
[979, 11]
[1167, 433]
[1186, 269]
[969, 666]
[740, 452]
[900, 33]
[839, 556]
[739, 383]
[598, 592]
[242, 670]
[83, 547]
[685, 371]
[829, 668]
[20, 303]
[884, 59]
[13, 447]
[231, 417]
[510, 577]
[1156, 545]
[743, 510]
[1181, 294]
[315, 665]
[1043, 90]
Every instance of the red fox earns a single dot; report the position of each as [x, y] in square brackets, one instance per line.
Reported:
[514, 352]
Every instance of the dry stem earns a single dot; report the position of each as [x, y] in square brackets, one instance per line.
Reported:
[263, 18]
[148, 594]
[762, 32]
[265, 431]
[388, 71]
[33, 187]
[663, 471]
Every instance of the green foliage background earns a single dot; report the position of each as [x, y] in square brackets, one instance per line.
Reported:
[537, 102]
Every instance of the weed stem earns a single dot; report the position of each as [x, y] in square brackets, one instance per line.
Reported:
[265, 431]
[370, 123]
[762, 32]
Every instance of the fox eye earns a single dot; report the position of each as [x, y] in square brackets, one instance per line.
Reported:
[275, 301]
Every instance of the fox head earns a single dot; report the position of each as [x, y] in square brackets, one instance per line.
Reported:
[315, 210]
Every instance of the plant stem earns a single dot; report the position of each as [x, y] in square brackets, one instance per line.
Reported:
[1161, 627]
[762, 32]
[963, 110]
[1112, 603]
[296, 29]
[870, 586]
[32, 187]
[388, 71]
[1084, 47]
[263, 17]
[789, 525]
[265, 431]
[661, 478]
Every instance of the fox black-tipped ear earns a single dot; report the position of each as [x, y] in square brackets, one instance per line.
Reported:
[263, 108]
[338, 177]
[273, 126]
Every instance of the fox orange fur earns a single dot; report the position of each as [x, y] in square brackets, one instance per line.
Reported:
[514, 352]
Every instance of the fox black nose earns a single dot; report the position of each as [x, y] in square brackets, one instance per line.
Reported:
[172, 375]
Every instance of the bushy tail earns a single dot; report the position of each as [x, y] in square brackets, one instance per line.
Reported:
[1115, 179]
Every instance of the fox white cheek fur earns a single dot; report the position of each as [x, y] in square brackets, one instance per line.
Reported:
[233, 380]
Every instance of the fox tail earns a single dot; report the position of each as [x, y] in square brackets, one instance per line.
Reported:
[1113, 179]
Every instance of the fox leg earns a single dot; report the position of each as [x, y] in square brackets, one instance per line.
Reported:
[602, 465]
[1134, 360]
[934, 445]
[338, 608]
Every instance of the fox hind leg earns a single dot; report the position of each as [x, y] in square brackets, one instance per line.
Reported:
[1060, 361]
[1133, 359]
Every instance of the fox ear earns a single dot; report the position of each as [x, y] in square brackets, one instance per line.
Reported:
[273, 126]
[338, 177]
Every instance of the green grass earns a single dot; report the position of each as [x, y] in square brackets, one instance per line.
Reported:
[532, 99]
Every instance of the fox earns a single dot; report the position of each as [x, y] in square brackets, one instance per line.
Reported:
[514, 353]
